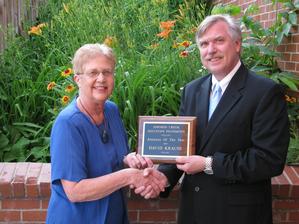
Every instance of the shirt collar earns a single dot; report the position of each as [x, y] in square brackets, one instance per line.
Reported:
[225, 81]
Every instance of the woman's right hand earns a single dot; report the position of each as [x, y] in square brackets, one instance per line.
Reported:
[134, 160]
[148, 183]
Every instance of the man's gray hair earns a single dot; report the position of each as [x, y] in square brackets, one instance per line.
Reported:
[88, 51]
[233, 26]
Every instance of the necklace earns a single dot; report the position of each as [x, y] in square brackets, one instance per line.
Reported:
[104, 135]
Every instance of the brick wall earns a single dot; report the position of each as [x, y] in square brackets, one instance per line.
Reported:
[25, 191]
[267, 15]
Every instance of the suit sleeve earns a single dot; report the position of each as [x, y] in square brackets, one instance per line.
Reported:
[270, 138]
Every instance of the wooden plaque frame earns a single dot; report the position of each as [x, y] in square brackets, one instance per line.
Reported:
[163, 138]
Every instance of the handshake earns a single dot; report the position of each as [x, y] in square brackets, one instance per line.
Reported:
[145, 179]
[149, 182]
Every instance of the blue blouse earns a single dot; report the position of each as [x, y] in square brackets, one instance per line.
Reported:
[77, 152]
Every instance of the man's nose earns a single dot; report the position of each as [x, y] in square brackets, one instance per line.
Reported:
[211, 48]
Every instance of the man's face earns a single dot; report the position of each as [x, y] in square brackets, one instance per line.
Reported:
[219, 53]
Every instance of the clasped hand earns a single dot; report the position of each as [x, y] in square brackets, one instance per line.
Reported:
[148, 182]
[152, 182]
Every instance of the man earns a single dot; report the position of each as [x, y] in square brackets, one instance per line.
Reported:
[239, 146]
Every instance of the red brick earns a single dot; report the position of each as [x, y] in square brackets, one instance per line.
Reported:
[279, 217]
[281, 65]
[295, 57]
[1, 167]
[45, 203]
[293, 216]
[284, 191]
[6, 177]
[281, 48]
[33, 173]
[264, 17]
[275, 189]
[142, 204]
[8, 216]
[296, 38]
[291, 48]
[158, 215]
[45, 189]
[294, 191]
[290, 66]
[286, 56]
[169, 204]
[133, 216]
[5, 190]
[32, 190]
[45, 174]
[286, 204]
[34, 215]
[18, 183]
[20, 204]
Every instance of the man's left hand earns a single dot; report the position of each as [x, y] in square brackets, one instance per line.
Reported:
[191, 164]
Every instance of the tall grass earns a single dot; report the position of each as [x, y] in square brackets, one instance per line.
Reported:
[149, 72]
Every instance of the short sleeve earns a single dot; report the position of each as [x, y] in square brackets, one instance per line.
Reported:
[67, 151]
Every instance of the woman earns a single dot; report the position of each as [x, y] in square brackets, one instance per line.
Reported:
[89, 148]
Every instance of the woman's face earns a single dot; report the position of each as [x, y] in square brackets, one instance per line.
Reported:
[96, 82]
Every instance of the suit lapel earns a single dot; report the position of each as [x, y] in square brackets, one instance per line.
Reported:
[202, 97]
[229, 99]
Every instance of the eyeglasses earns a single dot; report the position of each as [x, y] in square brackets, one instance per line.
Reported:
[96, 74]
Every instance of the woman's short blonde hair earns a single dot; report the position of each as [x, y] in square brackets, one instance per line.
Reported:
[87, 51]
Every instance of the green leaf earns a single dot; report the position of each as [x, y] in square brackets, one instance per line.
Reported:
[3, 141]
[289, 5]
[279, 37]
[288, 82]
[233, 10]
[286, 28]
[293, 18]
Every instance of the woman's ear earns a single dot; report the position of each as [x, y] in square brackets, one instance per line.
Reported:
[76, 79]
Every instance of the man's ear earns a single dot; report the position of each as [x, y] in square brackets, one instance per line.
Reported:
[238, 46]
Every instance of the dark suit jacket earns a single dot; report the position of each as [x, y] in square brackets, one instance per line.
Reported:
[248, 137]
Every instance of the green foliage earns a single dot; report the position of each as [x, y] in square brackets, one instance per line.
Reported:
[149, 72]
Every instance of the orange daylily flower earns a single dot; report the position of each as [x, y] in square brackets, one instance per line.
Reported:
[184, 54]
[193, 30]
[186, 43]
[65, 100]
[51, 85]
[110, 41]
[41, 25]
[164, 34]
[154, 45]
[69, 88]
[37, 30]
[290, 99]
[66, 72]
[167, 25]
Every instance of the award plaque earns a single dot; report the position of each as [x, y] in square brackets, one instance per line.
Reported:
[162, 139]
